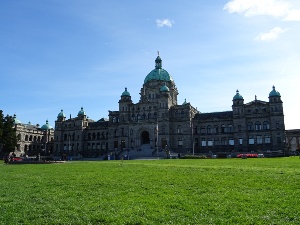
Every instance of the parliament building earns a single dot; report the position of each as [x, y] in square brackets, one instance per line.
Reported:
[157, 124]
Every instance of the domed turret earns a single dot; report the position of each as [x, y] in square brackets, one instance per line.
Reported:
[61, 114]
[16, 121]
[184, 102]
[158, 73]
[46, 126]
[125, 93]
[164, 88]
[81, 112]
[274, 93]
[238, 96]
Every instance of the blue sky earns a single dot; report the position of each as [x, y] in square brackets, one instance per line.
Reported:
[69, 54]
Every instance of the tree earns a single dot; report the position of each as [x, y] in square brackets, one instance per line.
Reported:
[1, 129]
[8, 137]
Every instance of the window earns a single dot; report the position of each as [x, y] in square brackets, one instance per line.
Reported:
[259, 139]
[209, 142]
[203, 142]
[216, 129]
[223, 129]
[257, 126]
[216, 141]
[230, 128]
[131, 131]
[180, 142]
[239, 128]
[195, 130]
[202, 130]
[250, 126]
[241, 141]
[179, 131]
[251, 140]
[209, 129]
[231, 141]
[266, 125]
[277, 125]
[223, 141]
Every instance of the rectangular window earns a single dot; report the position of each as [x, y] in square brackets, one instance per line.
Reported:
[277, 125]
[180, 142]
[267, 140]
[209, 142]
[251, 141]
[241, 141]
[223, 141]
[216, 142]
[231, 141]
[259, 139]
[203, 142]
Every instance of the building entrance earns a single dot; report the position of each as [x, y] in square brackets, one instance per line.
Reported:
[145, 137]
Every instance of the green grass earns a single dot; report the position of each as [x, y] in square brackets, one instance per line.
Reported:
[219, 191]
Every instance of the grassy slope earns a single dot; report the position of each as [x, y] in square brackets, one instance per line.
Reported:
[229, 191]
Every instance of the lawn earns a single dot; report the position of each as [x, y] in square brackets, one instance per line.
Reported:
[202, 191]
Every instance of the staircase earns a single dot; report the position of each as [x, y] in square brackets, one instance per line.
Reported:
[145, 152]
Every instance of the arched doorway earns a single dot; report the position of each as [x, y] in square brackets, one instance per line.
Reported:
[145, 137]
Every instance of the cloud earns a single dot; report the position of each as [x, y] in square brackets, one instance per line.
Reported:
[271, 35]
[164, 22]
[275, 8]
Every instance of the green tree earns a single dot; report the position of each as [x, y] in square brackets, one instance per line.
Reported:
[8, 137]
[1, 129]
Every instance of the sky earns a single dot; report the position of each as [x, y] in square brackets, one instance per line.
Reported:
[68, 54]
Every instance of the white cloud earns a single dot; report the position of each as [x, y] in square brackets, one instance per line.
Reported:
[164, 22]
[271, 35]
[275, 8]
[293, 15]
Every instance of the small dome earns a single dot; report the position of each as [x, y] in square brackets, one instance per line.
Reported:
[81, 112]
[125, 93]
[164, 88]
[61, 114]
[158, 73]
[274, 93]
[238, 96]
[184, 102]
[46, 126]
[16, 121]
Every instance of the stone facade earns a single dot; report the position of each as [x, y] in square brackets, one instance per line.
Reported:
[157, 123]
[33, 139]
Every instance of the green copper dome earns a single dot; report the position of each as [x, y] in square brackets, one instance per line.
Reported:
[164, 88]
[81, 112]
[238, 96]
[184, 102]
[46, 126]
[274, 93]
[158, 73]
[125, 93]
[16, 121]
[61, 114]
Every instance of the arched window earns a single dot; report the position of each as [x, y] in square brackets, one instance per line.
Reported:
[250, 126]
[230, 128]
[131, 131]
[202, 130]
[149, 115]
[216, 129]
[223, 129]
[98, 135]
[257, 126]
[209, 129]
[266, 125]
[26, 138]
[89, 136]
[179, 131]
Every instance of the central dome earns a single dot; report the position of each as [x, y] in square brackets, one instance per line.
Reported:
[158, 73]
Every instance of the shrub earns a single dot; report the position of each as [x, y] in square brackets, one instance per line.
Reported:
[194, 157]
